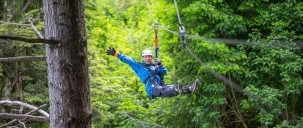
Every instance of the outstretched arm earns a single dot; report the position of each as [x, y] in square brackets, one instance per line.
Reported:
[128, 60]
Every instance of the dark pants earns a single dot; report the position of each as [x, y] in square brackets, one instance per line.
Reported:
[165, 91]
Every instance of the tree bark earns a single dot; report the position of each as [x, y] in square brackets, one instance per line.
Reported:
[70, 105]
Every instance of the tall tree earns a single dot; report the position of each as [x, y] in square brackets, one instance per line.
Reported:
[69, 92]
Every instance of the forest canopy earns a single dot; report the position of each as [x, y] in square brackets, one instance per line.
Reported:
[252, 45]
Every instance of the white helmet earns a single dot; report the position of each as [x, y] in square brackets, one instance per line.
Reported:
[147, 52]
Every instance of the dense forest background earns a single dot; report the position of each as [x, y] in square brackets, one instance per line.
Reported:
[253, 43]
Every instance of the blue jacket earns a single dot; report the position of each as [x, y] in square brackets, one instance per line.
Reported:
[143, 73]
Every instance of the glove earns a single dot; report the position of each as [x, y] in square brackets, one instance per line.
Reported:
[111, 51]
[158, 62]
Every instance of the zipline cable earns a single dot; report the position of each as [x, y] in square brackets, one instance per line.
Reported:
[155, 29]
[150, 11]
[181, 28]
[221, 77]
[234, 42]
[222, 40]
[179, 19]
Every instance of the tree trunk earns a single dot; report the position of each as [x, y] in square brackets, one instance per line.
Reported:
[68, 83]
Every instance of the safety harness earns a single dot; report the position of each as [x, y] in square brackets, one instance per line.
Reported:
[153, 74]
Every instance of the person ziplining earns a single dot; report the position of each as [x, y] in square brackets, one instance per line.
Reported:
[150, 74]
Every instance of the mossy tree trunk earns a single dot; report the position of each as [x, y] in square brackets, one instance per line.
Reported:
[67, 62]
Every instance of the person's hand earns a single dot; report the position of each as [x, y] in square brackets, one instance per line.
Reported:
[111, 51]
[158, 62]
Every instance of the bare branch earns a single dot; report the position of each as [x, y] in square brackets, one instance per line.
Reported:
[9, 23]
[26, 6]
[22, 58]
[22, 123]
[24, 116]
[11, 103]
[29, 40]
[35, 29]
[13, 121]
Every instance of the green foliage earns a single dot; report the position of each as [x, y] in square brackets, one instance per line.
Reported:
[266, 101]
[268, 67]
[118, 96]
[272, 73]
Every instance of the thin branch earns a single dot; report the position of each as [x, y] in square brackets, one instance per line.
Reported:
[26, 6]
[13, 121]
[22, 116]
[22, 123]
[29, 40]
[11, 103]
[9, 23]
[35, 29]
[22, 58]
[234, 103]
[38, 16]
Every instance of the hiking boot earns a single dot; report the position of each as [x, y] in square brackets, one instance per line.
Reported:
[195, 86]
[179, 87]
